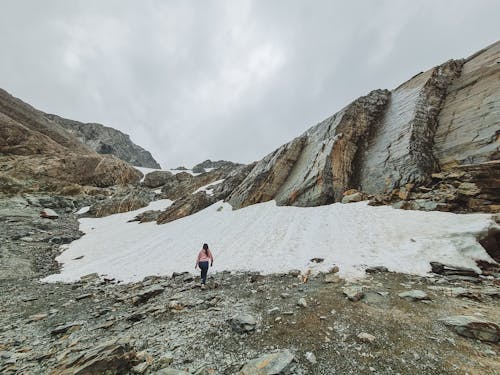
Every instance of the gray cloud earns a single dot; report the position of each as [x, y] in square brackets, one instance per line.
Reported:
[191, 80]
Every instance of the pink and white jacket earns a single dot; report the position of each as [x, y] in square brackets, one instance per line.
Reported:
[205, 257]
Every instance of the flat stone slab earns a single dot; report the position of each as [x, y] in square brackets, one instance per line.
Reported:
[414, 295]
[473, 327]
[268, 364]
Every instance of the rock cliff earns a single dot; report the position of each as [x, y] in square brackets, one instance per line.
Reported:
[106, 140]
[37, 154]
[446, 119]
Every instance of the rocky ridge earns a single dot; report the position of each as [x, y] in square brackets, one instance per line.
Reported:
[106, 140]
[37, 154]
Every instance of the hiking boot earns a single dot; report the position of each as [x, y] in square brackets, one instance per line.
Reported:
[203, 287]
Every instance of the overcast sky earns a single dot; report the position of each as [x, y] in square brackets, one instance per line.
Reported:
[193, 80]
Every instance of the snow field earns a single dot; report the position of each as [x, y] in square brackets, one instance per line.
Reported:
[270, 239]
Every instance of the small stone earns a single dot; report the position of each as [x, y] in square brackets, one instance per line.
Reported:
[175, 305]
[48, 213]
[274, 310]
[311, 357]
[332, 278]
[83, 296]
[302, 302]
[353, 293]
[269, 364]
[366, 337]
[38, 317]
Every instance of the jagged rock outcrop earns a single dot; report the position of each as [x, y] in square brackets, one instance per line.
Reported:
[106, 140]
[187, 205]
[391, 143]
[37, 154]
[268, 175]
[209, 164]
[184, 183]
[126, 199]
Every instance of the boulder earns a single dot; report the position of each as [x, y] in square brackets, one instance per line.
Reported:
[269, 364]
[473, 327]
[356, 197]
[243, 323]
[445, 269]
[186, 206]
[156, 179]
[47, 213]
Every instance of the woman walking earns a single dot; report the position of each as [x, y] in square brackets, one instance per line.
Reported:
[204, 257]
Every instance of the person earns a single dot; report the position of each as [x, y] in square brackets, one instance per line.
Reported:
[204, 257]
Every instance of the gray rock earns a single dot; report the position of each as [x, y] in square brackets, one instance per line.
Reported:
[106, 140]
[156, 179]
[377, 269]
[145, 295]
[48, 213]
[414, 295]
[366, 337]
[356, 197]
[447, 270]
[311, 358]
[243, 323]
[269, 364]
[67, 326]
[353, 293]
[171, 371]
[302, 302]
[473, 327]
[110, 357]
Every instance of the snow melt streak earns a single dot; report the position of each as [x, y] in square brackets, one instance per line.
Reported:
[270, 239]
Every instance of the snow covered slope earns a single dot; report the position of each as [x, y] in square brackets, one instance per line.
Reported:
[269, 239]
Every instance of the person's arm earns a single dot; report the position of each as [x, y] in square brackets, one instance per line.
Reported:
[211, 258]
[197, 261]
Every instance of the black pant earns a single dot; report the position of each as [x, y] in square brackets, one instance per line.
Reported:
[204, 270]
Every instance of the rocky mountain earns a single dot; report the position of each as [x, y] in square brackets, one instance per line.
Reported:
[446, 120]
[106, 140]
[38, 154]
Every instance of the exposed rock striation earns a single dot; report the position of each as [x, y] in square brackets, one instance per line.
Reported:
[392, 143]
[106, 140]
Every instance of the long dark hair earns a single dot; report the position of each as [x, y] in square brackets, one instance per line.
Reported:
[205, 247]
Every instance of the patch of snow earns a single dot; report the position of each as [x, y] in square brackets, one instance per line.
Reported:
[267, 238]
[208, 189]
[157, 191]
[83, 210]
[145, 171]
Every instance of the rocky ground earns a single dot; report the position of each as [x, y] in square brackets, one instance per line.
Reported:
[243, 323]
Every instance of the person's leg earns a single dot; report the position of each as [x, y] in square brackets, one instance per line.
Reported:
[204, 271]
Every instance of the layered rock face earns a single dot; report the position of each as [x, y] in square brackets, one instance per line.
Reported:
[392, 142]
[37, 154]
[106, 140]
